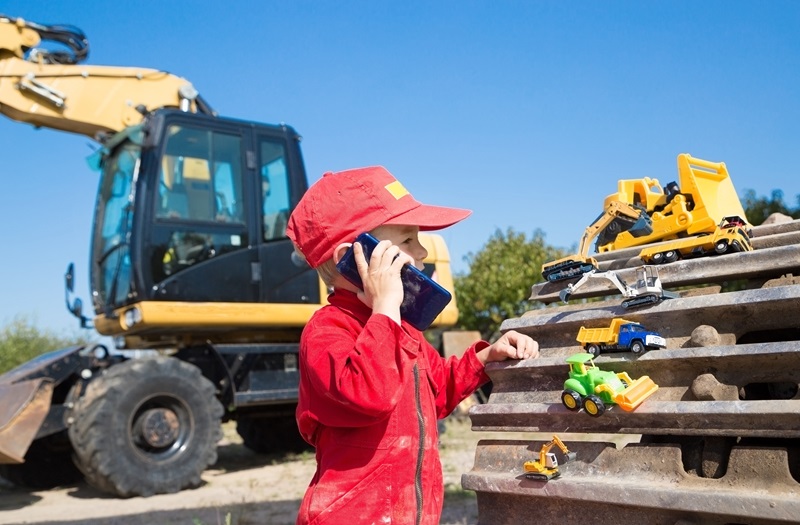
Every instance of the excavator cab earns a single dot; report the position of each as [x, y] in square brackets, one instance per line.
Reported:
[182, 218]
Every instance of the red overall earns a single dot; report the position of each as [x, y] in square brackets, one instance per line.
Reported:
[370, 394]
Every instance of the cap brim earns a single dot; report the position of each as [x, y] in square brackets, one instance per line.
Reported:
[430, 218]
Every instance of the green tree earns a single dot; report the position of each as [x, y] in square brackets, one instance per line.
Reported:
[758, 208]
[498, 283]
[21, 341]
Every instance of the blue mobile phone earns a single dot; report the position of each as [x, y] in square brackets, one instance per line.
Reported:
[423, 298]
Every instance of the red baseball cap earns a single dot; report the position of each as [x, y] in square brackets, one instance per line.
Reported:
[342, 205]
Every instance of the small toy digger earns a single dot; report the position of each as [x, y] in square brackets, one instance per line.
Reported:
[546, 467]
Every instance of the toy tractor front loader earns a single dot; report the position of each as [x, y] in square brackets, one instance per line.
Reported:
[635, 393]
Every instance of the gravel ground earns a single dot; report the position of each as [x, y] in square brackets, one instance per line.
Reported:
[243, 488]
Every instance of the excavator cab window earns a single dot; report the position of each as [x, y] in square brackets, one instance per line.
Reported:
[201, 176]
[111, 249]
[200, 184]
[274, 189]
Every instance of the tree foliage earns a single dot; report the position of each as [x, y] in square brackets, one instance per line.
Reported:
[758, 208]
[21, 341]
[498, 283]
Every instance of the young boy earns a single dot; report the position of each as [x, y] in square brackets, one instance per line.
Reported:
[371, 386]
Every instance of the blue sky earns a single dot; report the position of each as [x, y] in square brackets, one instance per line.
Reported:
[527, 112]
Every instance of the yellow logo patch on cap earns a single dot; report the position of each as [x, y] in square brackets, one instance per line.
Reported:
[396, 189]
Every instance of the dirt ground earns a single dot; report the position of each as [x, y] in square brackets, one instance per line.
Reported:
[243, 488]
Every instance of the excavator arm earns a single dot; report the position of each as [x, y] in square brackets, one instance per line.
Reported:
[581, 263]
[51, 89]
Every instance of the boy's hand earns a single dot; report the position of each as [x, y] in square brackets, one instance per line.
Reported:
[511, 345]
[383, 288]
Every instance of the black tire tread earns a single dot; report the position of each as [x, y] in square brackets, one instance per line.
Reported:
[100, 460]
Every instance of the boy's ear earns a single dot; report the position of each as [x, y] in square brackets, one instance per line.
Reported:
[340, 250]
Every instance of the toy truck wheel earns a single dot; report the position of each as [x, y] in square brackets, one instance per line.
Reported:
[594, 406]
[571, 400]
[146, 426]
[593, 349]
[721, 246]
[658, 258]
[671, 256]
[637, 347]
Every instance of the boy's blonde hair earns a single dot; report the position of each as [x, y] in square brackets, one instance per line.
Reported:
[327, 272]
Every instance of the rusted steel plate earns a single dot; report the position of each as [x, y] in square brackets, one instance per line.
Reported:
[675, 371]
[730, 375]
[25, 405]
[732, 313]
[773, 418]
[637, 484]
[758, 264]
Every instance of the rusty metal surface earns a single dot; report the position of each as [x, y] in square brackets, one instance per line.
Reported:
[24, 407]
[776, 252]
[720, 438]
[758, 264]
[637, 484]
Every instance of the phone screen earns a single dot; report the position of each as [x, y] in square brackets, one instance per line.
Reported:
[423, 298]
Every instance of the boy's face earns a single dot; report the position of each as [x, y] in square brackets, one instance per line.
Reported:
[404, 237]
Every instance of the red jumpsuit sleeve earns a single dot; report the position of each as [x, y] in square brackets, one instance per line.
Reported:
[455, 378]
[356, 379]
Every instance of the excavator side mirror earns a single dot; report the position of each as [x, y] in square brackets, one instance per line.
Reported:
[74, 307]
[69, 278]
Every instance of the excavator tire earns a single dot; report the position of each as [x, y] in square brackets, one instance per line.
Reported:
[270, 435]
[146, 426]
[48, 464]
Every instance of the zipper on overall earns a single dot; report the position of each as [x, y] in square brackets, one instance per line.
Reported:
[421, 451]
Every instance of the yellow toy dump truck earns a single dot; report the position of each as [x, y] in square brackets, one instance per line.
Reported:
[702, 211]
[592, 389]
[621, 335]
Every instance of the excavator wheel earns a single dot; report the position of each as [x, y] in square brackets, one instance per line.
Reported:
[571, 400]
[146, 426]
[270, 435]
[721, 246]
[594, 406]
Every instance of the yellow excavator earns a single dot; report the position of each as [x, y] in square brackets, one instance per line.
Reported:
[616, 213]
[546, 467]
[189, 266]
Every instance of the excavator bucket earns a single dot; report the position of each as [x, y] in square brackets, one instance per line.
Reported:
[23, 407]
[636, 393]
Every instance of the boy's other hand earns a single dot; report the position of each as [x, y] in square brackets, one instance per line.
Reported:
[511, 345]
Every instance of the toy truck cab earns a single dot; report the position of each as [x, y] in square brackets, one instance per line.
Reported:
[620, 335]
[637, 338]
